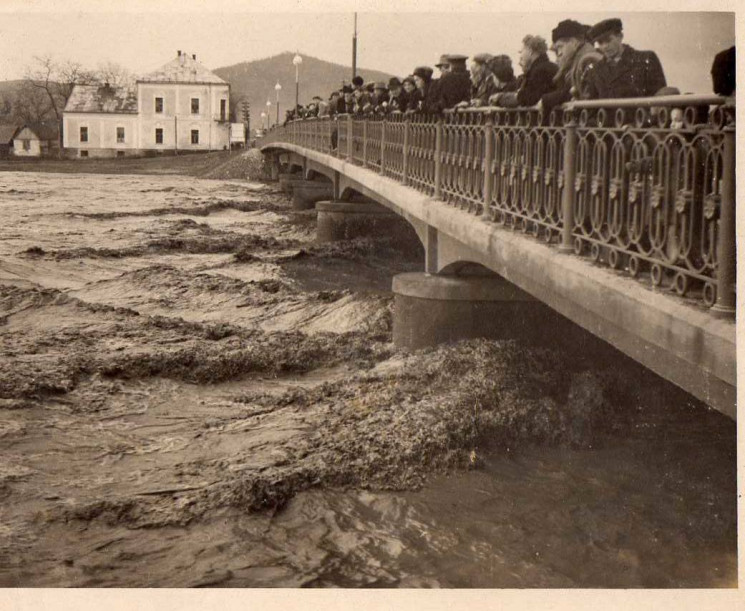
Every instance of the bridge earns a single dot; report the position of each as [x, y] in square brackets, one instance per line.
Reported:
[619, 215]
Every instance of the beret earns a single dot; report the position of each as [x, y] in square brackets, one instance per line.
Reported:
[424, 72]
[482, 58]
[604, 27]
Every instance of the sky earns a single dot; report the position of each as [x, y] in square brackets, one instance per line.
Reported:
[393, 37]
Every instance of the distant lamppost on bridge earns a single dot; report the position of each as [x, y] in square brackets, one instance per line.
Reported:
[268, 113]
[278, 88]
[297, 60]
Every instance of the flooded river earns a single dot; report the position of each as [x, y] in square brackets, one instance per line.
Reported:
[193, 393]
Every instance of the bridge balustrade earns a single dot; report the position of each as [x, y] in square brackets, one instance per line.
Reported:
[645, 186]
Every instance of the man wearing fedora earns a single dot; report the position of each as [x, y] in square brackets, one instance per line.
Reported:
[623, 72]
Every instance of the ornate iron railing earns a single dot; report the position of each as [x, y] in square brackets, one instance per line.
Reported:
[647, 184]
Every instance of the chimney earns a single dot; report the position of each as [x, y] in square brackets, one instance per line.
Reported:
[194, 56]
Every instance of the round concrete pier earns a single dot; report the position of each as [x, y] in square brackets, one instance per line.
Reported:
[346, 221]
[431, 310]
[306, 194]
[287, 181]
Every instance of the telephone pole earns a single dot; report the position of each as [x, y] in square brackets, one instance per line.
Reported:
[354, 48]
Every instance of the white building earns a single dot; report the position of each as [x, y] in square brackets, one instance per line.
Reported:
[182, 106]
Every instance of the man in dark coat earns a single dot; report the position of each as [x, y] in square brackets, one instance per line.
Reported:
[536, 79]
[623, 72]
[576, 58]
[452, 87]
[723, 72]
[398, 98]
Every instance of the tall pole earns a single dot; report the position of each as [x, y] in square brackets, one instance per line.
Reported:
[354, 48]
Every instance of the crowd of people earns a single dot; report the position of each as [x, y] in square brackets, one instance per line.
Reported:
[592, 62]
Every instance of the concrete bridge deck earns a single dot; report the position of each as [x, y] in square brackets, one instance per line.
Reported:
[679, 340]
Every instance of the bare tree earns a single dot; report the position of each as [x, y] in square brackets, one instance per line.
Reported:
[31, 105]
[57, 79]
[114, 74]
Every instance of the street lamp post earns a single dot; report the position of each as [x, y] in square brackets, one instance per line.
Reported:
[268, 113]
[278, 88]
[297, 60]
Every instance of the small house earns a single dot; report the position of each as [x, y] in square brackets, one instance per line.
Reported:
[36, 140]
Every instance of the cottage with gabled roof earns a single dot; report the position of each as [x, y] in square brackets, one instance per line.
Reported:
[36, 140]
[182, 106]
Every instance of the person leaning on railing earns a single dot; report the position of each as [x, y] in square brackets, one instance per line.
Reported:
[536, 79]
[422, 79]
[453, 87]
[482, 82]
[623, 72]
[576, 58]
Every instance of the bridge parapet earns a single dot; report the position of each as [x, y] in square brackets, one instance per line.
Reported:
[643, 185]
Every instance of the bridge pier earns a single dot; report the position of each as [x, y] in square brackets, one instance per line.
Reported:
[348, 220]
[288, 181]
[435, 309]
[305, 194]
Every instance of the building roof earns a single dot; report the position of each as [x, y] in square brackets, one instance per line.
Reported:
[183, 68]
[43, 131]
[102, 98]
[7, 132]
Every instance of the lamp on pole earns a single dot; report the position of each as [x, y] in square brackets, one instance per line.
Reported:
[296, 61]
[263, 120]
[268, 113]
[278, 88]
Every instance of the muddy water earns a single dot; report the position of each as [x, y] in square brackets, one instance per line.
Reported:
[194, 394]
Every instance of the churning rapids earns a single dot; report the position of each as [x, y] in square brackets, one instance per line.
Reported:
[193, 393]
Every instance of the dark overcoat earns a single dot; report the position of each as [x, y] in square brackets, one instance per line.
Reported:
[636, 74]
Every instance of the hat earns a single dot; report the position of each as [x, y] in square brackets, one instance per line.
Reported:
[569, 28]
[317, 97]
[606, 26]
[370, 87]
[501, 66]
[394, 82]
[346, 89]
[444, 61]
[358, 81]
[424, 72]
[481, 58]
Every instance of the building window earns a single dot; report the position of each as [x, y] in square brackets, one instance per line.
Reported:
[83, 153]
[120, 134]
[223, 109]
[195, 136]
[195, 106]
[26, 145]
[84, 134]
[158, 104]
[158, 135]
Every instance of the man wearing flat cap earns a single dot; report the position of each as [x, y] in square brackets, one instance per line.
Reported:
[575, 57]
[623, 72]
[452, 87]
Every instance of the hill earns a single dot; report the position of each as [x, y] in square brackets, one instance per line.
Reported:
[255, 81]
